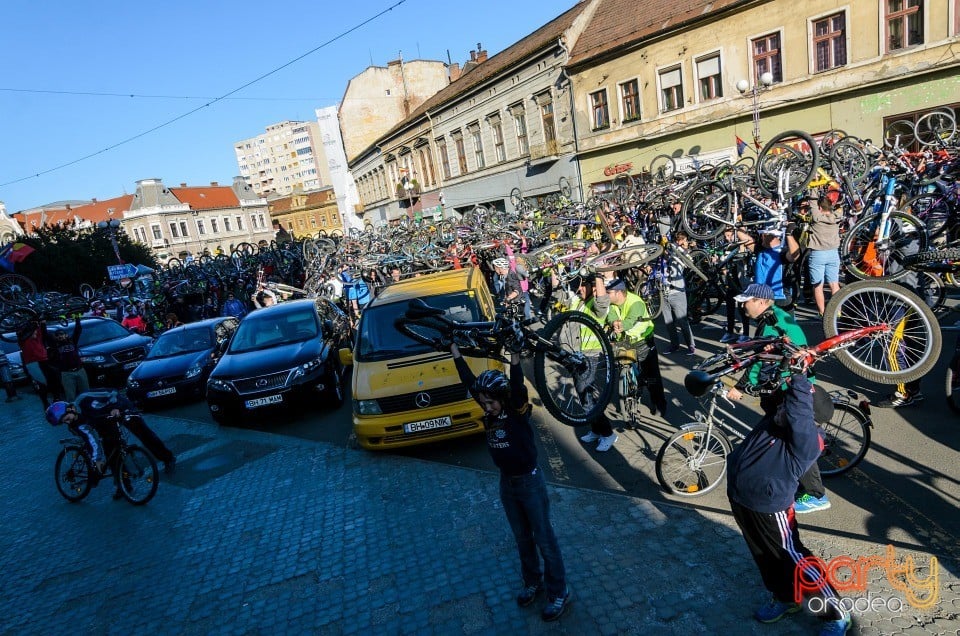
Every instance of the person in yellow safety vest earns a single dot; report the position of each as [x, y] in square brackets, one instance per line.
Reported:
[631, 322]
[601, 430]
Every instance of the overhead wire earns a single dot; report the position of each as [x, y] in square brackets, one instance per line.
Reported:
[211, 102]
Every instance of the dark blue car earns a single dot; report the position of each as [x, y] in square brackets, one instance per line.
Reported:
[180, 362]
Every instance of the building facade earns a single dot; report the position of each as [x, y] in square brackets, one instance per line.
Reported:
[9, 228]
[184, 220]
[307, 213]
[380, 97]
[288, 156]
[655, 78]
[340, 177]
[505, 123]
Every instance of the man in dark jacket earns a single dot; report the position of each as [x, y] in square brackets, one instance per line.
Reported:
[523, 491]
[64, 355]
[762, 478]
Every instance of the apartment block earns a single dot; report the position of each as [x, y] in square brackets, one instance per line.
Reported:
[288, 156]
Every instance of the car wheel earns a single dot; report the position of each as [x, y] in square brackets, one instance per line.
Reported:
[335, 392]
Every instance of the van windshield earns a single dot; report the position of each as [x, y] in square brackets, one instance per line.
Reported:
[379, 340]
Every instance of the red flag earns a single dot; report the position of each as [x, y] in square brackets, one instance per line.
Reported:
[741, 146]
[20, 252]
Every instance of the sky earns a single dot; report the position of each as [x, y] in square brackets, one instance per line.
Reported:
[70, 69]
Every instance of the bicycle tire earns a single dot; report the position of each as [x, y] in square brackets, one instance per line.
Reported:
[653, 301]
[72, 472]
[625, 258]
[16, 288]
[932, 290]
[681, 472]
[801, 164]
[865, 261]
[14, 321]
[906, 352]
[846, 440]
[934, 209]
[852, 160]
[936, 128]
[662, 169]
[933, 256]
[566, 190]
[139, 477]
[559, 365]
[516, 198]
[707, 210]
[899, 134]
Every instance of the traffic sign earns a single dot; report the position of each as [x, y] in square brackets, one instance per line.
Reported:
[116, 272]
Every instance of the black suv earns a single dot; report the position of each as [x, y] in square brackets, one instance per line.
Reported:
[281, 355]
[109, 351]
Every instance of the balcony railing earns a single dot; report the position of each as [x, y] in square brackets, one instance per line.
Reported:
[542, 151]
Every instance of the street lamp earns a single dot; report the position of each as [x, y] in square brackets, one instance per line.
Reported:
[111, 226]
[765, 82]
[408, 187]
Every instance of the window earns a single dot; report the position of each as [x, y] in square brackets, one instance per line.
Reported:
[829, 42]
[520, 125]
[478, 146]
[461, 151]
[904, 23]
[214, 226]
[226, 224]
[174, 231]
[444, 157]
[157, 234]
[598, 105]
[240, 223]
[630, 96]
[546, 113]
[497, 129]
[183, 229]
[201, 229]
[766, 57]
[708, 77]
[671, 89]
[263, 224]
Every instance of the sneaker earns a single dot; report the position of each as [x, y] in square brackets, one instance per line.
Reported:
[671, 350]
[896, 400]
[606, 443]
[590, 437]
[692, 351]
[838, 627]
[728, 337]
[743, 339]
[528, 593]
[170, 466]
[774, 610]
[557, 606]
[808, 503]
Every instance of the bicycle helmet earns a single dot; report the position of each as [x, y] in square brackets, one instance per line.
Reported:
[492, 383]
[55, 412]
[501, 262]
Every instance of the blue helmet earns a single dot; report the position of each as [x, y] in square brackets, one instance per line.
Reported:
[492, 383]
[56, 411]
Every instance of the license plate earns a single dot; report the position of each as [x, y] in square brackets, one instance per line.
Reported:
[168, 391]
[270, 399]
[427, 425]
[131, 365]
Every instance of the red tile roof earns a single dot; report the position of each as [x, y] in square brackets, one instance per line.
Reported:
[95, 211]
[206, 197]
[619, 23]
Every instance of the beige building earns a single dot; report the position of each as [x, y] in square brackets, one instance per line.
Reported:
[662, 77]
[380, 97]
[288, 156]
[307, 213]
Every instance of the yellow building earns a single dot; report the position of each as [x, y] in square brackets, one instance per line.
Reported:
[683, 78]
[307, 213]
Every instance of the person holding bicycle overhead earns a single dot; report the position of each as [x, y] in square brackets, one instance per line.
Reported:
[762, 475]
[65, 357]
[523, 490]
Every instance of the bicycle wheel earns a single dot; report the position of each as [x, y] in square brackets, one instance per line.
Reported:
[787, 162]
[933, 209]
[907, 351]
[575, 383]
[516, 198]
[72, 472]
[566, 190]
[652, 296]
[936, 128]
[899, 134]
[867, 258]
[851, 159]
[662, 168]
[139, 477]
[707, 210]
[625, 258]
[693, 461]
[16, 288]
[930, 287]
[846, 440]
[14, 320]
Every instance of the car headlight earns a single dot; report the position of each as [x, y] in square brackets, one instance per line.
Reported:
[367, 407]
[94, 359]
[133, 384]
[219, 385]
[307, 368]
[193, 371]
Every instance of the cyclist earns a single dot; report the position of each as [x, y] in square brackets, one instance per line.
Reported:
[99, 434]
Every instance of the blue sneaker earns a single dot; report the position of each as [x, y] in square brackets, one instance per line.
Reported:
[774, 610]
[838, 627]
[808, 503]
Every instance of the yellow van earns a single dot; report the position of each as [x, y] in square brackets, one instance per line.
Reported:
[405, 393]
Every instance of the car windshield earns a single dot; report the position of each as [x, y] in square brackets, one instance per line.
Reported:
[9, 347]
[190, 340]
[378, 340]
[265, 329]
[95, 331]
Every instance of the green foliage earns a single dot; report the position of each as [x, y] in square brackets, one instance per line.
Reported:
[66, 258]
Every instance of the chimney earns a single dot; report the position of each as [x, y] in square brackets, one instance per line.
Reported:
[93, 200]
[473, 56]
[454, 72]
[481, 56]
[214, 183]
[183, 185]
[68, 207]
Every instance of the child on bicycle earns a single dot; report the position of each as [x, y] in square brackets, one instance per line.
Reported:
[99, 434]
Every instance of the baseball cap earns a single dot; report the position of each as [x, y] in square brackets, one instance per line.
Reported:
[617, 284]
[754, 290]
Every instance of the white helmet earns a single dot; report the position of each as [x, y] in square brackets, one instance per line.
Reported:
[501, 262]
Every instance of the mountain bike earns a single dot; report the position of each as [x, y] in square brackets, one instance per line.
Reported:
[575, 384]
[133, 469]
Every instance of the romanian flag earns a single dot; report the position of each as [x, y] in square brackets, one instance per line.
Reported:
[741, 146]
[14, 253]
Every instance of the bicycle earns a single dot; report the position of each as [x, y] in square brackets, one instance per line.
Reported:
[76, 474]
[575, 385]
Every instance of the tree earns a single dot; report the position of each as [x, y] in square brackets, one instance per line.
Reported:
[65, 257]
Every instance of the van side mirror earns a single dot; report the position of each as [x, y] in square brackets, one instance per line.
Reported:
[346, 357]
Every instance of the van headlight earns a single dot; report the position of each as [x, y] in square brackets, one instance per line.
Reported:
[367, 407]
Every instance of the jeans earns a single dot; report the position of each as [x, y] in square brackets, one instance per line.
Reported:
[74, 383]
[675, 317]
[527, 507]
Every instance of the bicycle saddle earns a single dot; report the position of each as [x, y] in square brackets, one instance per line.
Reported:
[698, 382]
[418, 309]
